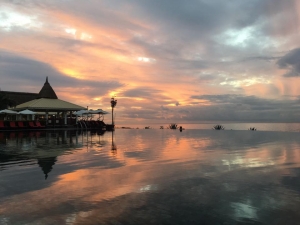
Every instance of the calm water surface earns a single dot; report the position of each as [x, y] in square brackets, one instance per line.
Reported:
[138, 176]
[289, 127]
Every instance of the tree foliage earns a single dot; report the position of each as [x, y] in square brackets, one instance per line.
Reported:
[173, 126]
[218, 127]
[5, 102]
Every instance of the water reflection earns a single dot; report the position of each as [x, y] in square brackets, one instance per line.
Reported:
[47, 164]
[42, 146]
[153, 177]
[113, 144]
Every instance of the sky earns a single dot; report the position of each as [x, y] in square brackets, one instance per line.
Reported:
[163, 60]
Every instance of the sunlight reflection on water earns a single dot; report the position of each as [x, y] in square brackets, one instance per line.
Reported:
[150, 176]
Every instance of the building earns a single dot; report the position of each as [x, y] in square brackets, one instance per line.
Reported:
[55, 111]
[17, 98]
[20, 97]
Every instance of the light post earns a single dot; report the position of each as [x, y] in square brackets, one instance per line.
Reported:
[113, 104]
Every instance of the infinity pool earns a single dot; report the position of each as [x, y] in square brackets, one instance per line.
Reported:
[150, 176]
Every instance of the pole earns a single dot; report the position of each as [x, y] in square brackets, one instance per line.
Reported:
[112, 115]
[113, 103]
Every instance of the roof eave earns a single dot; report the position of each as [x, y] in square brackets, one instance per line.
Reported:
[48, 109]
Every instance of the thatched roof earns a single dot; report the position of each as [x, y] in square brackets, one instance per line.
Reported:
[47, 91]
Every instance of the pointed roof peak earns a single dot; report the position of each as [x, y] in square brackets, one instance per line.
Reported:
[47, 91]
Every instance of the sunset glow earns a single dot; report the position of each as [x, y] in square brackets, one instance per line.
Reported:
[155, 58]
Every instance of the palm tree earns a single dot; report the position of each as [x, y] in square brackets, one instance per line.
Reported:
[219, 127]
[5, 101]
[173, 126]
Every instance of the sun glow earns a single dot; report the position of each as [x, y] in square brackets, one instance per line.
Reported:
[71, 73]
[114, 94]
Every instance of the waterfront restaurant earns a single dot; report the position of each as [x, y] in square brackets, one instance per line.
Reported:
[53, 111]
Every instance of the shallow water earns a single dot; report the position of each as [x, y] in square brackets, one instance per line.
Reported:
[153, 176]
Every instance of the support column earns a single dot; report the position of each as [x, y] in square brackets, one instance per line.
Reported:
[47, 118]
[65, 118]
[57, 118]
[71, 118]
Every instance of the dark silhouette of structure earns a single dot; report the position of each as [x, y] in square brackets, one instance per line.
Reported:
[17, 98]
[47, 91]
[47, 164]
[113, 104]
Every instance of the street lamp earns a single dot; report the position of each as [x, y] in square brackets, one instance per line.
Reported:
[113, 104]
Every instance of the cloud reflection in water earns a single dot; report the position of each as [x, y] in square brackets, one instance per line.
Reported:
[154, 177]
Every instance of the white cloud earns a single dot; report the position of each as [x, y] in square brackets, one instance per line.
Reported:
[146, 60]
[10, 19]
[246, 82]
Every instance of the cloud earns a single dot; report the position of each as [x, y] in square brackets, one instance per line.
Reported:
[141, 92]
[235, 99]
[246, 108]
[225, 54]
[29, 75]
[291, 61]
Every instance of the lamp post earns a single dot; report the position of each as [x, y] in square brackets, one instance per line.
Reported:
[113, 103]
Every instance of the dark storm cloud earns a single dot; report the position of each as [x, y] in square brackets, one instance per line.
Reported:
[291, 61]
[28, 72]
